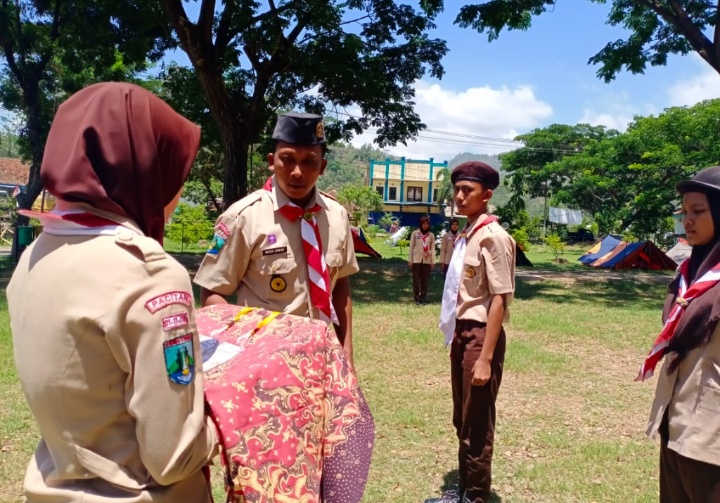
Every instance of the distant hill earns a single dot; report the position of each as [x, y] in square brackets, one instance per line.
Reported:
[492, 160]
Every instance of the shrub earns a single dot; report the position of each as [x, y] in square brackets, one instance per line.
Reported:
[189, 225]
[556, 244]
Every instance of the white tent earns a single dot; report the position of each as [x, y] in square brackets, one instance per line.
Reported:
[680, 251]
[397, 236]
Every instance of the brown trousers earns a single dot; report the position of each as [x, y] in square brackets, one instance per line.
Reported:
[685, 480]
[421, 278]
[474, 408]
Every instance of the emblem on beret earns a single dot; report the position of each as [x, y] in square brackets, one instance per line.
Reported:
[277, 283]
[320, 130]
[469, 273]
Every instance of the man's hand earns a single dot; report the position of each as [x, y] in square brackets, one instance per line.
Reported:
[481, 372]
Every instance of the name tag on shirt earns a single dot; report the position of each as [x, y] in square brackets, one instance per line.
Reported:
[274, 251]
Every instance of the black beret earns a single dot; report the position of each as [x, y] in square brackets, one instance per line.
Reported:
[707, 180]
[299, 129]
[476, 171]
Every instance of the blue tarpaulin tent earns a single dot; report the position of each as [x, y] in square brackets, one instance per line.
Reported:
[600, 249]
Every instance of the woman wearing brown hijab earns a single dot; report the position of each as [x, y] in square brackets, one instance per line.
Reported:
[102, 318]
[686, 409]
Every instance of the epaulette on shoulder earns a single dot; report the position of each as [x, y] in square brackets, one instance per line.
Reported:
[142, 247]
[238, 206]
[325, 194]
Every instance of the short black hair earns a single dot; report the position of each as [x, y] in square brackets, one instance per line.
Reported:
[324, 146]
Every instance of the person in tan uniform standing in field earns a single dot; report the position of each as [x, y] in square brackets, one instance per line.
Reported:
[448, 244]
[421, 259]
[286, 247]
[685, 412]
[478, 290]
[102, 318]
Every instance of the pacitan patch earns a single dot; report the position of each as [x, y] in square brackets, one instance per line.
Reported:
[180, 359]
[175, 321]
[167, 299]
[222, 230]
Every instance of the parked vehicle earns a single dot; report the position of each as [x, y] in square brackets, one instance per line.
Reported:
[580, 236]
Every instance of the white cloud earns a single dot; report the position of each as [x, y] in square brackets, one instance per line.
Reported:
[494, 114]
[703, 86]
[618, 120]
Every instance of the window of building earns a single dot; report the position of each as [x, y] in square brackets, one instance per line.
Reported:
[435, 193]
[380, 190]
[392, 193]
[414, 194]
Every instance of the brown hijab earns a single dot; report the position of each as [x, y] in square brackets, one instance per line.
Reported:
[120, 148]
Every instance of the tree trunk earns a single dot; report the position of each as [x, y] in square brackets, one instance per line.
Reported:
[236, 146]
[34, 186]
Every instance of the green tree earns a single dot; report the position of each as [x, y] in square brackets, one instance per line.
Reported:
[52, 48]
[657, 28]
[253, 59]
[556, 245]
[445, 189]
[360, 200]
[189, 225]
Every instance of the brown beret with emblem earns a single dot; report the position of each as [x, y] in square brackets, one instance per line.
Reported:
[299, 129]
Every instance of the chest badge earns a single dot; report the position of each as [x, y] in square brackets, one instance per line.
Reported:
[469, 273]
[277, 283]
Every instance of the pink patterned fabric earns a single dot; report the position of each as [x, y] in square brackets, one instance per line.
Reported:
[286, 406]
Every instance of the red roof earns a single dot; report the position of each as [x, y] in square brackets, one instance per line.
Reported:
[13, 171]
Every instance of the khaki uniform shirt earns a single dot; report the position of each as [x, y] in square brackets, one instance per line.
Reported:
[91, 317]
[416, 253]
[488, 269]
[447, 246]
[262, 256]
[691, 396]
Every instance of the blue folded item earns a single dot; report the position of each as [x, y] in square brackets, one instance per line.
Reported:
[208, 345]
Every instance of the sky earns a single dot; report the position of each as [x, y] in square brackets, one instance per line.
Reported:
[531, 79]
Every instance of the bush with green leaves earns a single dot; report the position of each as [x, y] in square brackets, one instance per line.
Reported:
[555, 244]
[360, 200]
[521, 238]
[189, 225]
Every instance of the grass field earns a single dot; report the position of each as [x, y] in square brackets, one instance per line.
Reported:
[570, 417]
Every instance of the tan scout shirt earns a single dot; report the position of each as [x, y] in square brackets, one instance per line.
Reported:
[446, 247]
[691, 396]
[262, 258]
[89, 318]
[488, 269]
[416, 253]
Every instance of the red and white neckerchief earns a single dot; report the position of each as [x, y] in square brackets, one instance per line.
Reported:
[684, 297]
[75, 223]
[318, 274]
[425, 244]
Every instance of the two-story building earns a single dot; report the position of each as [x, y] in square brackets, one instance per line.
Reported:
[409, 189]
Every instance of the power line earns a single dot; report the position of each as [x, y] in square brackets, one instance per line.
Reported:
[478, 140]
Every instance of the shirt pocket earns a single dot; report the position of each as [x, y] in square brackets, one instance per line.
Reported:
[710, 393]
[276, 265]
[334, 262]
[472, 274]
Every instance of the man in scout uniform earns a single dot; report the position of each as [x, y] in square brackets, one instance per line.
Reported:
[286, 247]
[448, 244]
[478, 289]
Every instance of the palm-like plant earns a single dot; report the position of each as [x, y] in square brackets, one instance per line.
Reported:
[445, 189]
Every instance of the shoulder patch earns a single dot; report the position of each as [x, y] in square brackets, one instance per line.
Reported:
[146, 247]
[167, 299]
[180, 359]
